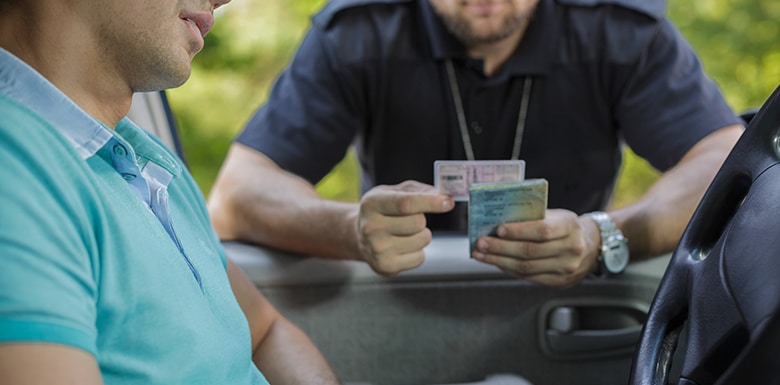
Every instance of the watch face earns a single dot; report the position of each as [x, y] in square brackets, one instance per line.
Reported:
[616, 257]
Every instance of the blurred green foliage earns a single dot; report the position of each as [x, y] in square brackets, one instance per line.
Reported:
[253, 41]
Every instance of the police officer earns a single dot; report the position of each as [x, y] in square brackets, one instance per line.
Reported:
[560, 84]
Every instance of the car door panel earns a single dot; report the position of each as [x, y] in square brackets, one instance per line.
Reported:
[455, 320]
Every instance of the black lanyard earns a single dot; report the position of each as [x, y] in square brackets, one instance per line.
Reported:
[464, 131]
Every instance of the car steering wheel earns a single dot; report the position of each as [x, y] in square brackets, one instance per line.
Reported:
[715, 318]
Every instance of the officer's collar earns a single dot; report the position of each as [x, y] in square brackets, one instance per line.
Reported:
[532, 56]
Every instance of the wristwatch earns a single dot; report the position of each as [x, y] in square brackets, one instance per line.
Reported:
[614, 246]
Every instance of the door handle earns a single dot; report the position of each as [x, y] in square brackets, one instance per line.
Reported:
[592, 329]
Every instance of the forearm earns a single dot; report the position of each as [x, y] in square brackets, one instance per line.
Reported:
[655, 223]
[279, 349]
[290, 220]
[255, 201]
[287, 356]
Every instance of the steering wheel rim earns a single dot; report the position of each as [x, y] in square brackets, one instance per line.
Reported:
[721, 289]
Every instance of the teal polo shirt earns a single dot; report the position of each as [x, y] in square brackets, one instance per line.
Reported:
[106, 246]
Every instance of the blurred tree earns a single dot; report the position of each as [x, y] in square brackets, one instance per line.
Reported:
[737, 44]
[253, 41]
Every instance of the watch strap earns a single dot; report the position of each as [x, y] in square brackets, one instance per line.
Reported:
[608, 232]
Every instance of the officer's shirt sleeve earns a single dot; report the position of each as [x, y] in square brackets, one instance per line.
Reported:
[313, 113]
[666, 101]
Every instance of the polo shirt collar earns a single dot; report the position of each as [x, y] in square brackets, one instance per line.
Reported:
[144, 164]
[87, 135]
[23, 83]
[443, 44]
[532, 57]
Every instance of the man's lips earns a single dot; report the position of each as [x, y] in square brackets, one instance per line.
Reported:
[202, 21]
[483, 7]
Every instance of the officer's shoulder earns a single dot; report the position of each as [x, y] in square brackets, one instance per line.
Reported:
[335, 7]
[652, 8]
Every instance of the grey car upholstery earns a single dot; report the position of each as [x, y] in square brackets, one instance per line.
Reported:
[453, 320]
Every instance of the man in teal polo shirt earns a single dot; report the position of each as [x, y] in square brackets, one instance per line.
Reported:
[109, 270]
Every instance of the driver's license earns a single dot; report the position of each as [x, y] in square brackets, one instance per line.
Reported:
[454, 177]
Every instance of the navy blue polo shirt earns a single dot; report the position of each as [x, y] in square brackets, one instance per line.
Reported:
[372, 74]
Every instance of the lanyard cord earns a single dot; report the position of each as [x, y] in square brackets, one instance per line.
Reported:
[464, 131]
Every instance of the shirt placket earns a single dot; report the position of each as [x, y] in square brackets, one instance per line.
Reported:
[151, 186]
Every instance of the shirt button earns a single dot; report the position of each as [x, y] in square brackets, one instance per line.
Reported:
[476, 128]
[129, 177]
[120, 150]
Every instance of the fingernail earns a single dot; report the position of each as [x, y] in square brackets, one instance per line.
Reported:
[482, 245]
[478, 256]
[501, 231]
[446, 204]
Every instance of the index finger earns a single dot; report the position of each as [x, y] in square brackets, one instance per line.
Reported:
[408, 199]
